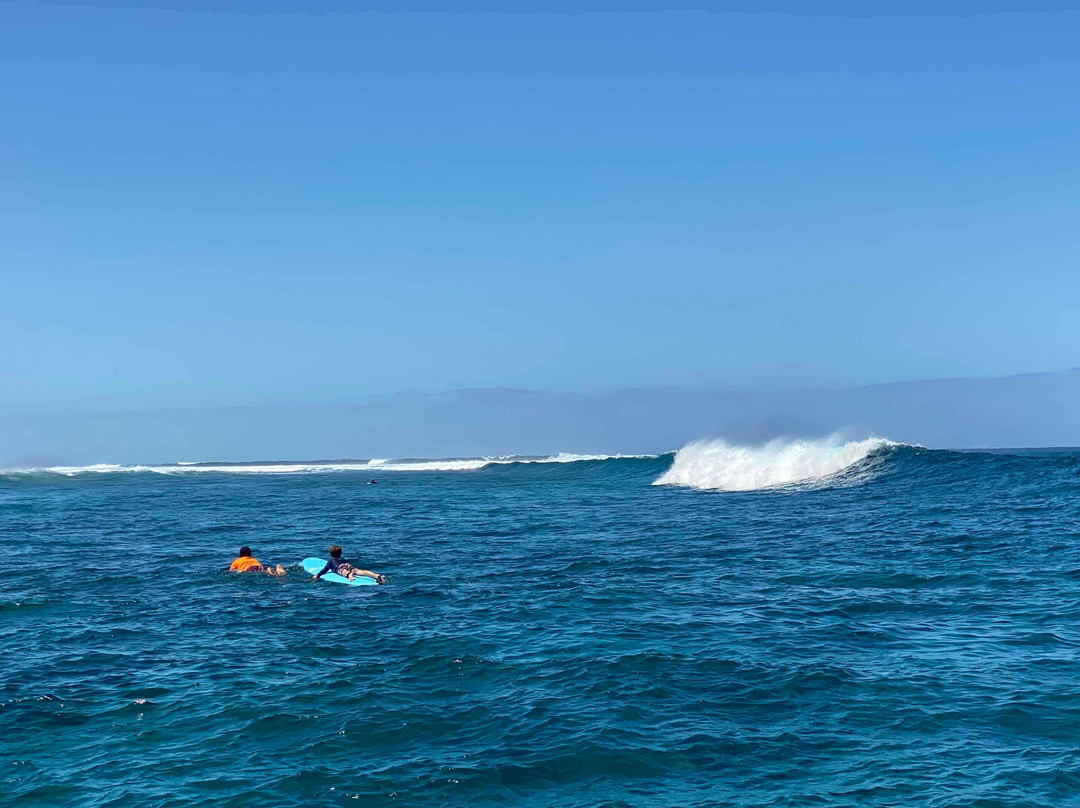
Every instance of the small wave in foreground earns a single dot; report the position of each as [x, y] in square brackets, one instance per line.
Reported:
[719, 466]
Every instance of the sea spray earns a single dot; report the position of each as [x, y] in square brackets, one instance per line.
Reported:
[720, 466]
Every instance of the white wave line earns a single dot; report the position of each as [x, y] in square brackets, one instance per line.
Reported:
[377, 464]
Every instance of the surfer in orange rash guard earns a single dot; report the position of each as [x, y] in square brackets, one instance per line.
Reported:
[246, 563]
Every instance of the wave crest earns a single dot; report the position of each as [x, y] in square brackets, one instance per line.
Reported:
[718, 466]
[318, 467]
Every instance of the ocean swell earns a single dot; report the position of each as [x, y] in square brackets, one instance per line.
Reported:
[317, 467]
[716, 465]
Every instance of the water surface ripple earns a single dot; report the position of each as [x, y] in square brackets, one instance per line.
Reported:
[550, 635]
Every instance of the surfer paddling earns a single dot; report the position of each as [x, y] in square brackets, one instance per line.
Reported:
[247, 563]
[345, 569]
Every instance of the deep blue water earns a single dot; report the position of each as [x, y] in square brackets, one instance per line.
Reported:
[550, 635]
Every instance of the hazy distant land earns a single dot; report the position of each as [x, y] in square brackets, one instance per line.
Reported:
[1029, 410]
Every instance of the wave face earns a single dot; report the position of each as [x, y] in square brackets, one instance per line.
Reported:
[318, 467]
[719, 466]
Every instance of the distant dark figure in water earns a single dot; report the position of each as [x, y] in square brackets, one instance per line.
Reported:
[247, 563]
[372, 482]
[344, 568]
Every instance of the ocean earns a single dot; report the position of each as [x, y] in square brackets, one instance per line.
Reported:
[800, 624]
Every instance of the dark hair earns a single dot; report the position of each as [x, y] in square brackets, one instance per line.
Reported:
[245, 551]
[335, 551]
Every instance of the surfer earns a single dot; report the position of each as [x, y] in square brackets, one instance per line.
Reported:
[345, 569]
[247, 563]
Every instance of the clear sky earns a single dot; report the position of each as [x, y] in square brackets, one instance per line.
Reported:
[285, 203]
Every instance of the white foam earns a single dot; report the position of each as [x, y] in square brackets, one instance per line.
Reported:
[378, 464]
[719, 466]
[99, 468]
[567, 457]
[321, 468]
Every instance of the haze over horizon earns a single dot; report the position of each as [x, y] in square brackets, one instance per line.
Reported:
[1031, 410]
[304, 204]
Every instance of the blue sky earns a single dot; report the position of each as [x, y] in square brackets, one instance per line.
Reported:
[205, 208]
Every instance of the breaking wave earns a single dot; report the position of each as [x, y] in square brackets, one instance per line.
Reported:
[317, 467]
[719, 466]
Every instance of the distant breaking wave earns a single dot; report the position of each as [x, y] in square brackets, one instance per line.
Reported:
[318, 467]
[706, 465]
[719, 466]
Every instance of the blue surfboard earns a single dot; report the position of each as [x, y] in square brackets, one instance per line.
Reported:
[313, 565]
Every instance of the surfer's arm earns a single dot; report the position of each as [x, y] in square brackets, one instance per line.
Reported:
[323, 571]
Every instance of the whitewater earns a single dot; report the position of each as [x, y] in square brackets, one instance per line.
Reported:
[317, 467]
[705, 465]
[720, 466]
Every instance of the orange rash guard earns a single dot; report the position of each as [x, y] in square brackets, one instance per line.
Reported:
[244, 563]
